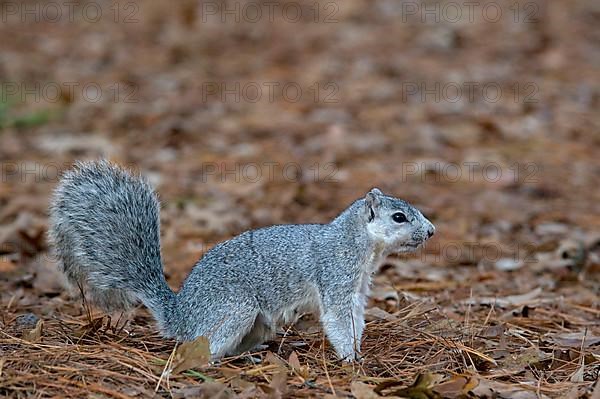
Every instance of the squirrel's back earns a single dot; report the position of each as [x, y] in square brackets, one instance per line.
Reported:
[104, 224]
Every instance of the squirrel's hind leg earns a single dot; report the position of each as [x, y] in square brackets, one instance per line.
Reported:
[260, 332]
[229, 328]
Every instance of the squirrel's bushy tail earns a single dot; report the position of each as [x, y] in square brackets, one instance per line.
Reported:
[105, 227]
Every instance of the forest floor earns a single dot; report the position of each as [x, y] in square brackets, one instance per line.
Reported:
[489, 123]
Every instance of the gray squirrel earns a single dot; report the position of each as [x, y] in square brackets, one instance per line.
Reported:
[105, 228]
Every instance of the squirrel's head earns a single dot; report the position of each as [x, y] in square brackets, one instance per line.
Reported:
[394, 222]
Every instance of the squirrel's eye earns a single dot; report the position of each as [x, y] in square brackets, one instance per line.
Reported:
[399, 217]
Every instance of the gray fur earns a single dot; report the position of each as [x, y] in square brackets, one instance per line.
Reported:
[105, 229]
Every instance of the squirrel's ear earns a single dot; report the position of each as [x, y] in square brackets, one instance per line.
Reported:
[372, 202]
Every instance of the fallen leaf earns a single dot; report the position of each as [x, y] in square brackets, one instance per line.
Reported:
[48, 278]
[577, 376]
[272, 358]
[524, 358]
[420, 389]
[596, 393]
[382, 294]
[6, 265]
[89, 328]
[191, 354]
[207, 390]
[456, 386]
[251, 393]
[493, 331]
[376, 313]
[279, 384]
[294, 361]
[501, 390]
[360, 390]
[511, 300]
[575, 340]
[34, 335]
[241, 384]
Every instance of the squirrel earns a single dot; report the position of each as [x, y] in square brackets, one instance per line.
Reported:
[105, 230]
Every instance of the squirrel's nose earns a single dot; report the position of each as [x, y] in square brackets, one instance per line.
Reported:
[430, 232]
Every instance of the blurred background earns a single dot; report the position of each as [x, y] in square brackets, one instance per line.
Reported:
[251, 113]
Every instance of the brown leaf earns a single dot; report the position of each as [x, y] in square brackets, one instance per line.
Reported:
[294, 361]
[524, 358]
[360, 390]
[251, 393]
[6, 265]
[272, 358]
[382, 294]
[48, 278]
[511, 300]
[34, 335]
[596, 393]
[493, 389]
[376, 313]
[90, 328]
[279, 384]
[577, 376]
[229, 372]
[191, 354]
[206, 390]
[24, 235]
[420, 389]
[575, 340]
[493, 331]
[241, 384]
[456, 386]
